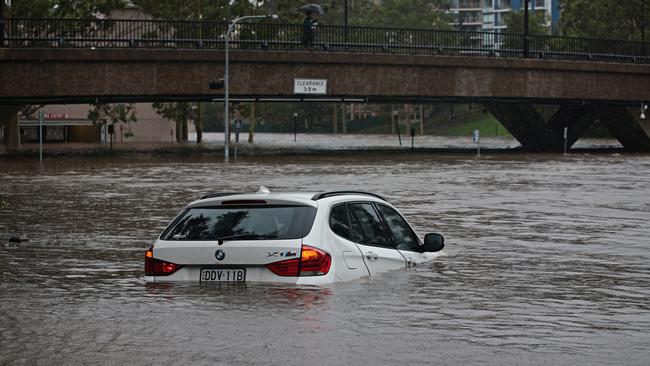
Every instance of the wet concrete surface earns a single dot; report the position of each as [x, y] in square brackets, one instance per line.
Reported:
[546, 262]
[304, 144]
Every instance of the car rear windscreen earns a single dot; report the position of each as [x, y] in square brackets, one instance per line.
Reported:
[247, 222]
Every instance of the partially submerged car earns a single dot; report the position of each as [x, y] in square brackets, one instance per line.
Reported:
[302, 238]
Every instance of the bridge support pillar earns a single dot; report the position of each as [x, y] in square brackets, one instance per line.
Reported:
[535, 133]
[632, 132]
[9, 119]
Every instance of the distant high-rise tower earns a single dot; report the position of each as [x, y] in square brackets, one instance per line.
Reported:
[466, 15]
[488, 15]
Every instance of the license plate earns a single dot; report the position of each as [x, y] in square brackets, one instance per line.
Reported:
[223, 275]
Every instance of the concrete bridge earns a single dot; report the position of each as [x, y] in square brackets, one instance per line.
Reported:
[585, 91]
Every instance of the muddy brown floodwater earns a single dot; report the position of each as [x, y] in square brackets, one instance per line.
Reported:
[547, 262]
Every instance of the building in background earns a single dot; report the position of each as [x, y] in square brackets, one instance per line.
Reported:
[488, 15]
[467, 15]
[70, 123]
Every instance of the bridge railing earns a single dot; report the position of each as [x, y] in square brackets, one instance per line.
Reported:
[112, 33]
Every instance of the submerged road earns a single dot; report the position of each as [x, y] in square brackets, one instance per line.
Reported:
[547, 262]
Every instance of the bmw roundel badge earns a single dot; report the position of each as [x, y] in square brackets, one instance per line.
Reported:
[219, 254]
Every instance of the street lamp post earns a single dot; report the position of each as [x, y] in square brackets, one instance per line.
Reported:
[295, 125]
[2, 23]
[642, 20]
[526, 45]
[345, 19]
[226, 118]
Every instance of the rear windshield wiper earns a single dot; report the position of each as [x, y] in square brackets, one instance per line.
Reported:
[221, 239]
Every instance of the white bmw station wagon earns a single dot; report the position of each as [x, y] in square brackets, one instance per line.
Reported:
[301, 238]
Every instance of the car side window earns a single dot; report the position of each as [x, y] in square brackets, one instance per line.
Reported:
[403, 235]
[339, 221]
[367, 227]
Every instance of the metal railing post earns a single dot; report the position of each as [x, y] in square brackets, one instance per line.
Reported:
[345, 20]
[526, 45]
[2, 23]
[118, 33]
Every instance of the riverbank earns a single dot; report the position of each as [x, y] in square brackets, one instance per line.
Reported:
[304, 144]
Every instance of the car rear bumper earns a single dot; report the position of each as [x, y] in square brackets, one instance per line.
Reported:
[192, 274]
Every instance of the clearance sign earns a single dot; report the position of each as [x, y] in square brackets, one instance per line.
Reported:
[310, 86]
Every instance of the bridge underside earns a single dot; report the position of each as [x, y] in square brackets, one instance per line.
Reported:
[537, 133]
[534, 131]
[584, 91]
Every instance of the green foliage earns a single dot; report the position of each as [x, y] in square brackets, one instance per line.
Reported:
[399, 13]
[612, 19]
[215, 10]
[404, 13]
[487, 125]
[537, 22]
[178, 112]
[73, 9]
[112, 113]
[274, 117]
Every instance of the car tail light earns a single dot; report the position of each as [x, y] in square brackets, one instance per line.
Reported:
[290, 267]
[312, 262]
[156, 267]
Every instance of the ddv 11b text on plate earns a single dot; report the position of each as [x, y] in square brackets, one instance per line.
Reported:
[223, 275]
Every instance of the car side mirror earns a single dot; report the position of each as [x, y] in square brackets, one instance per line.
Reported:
[433, 242]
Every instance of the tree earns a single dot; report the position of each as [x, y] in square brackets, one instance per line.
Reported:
[112, 113]
[405, 13]
[603, 18]
[538, 22]
[73, 9]
[179, 112]
[194, 10]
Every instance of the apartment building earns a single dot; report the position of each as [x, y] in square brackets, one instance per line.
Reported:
[488, 15]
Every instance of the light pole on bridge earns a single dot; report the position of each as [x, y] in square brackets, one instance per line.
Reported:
[526, 45]
[345, 20]
[2, 23]
[226, 117]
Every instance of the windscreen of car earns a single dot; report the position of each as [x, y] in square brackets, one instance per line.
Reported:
[256, 222]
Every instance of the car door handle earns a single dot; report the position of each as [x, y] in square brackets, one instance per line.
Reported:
[371, 255]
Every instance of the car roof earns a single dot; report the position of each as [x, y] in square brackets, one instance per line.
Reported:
[302, 198]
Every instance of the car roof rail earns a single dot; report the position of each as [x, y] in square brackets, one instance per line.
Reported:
[322, 195]
[220, 194]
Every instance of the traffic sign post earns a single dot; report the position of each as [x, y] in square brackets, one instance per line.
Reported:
[111, 131]
[237, 129]
[412, 138]
[295, 126]
[41, 117]
[476, 137]
[396, 119]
